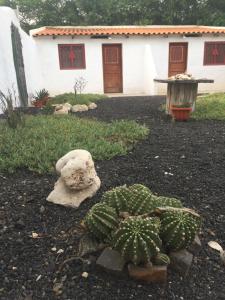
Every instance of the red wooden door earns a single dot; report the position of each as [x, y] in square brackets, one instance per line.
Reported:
[112, 68]
[177, 58]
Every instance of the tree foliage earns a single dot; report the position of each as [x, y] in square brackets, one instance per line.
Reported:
[36, 13]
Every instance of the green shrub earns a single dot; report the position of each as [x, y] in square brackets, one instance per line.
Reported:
[210, 107]
[14, 117]
[79, 99]
[44, 139]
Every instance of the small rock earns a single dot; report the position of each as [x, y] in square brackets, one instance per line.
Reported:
[62, 109]
[181, 261]
[60, 251]
[85, 275]
[157, 274]
[57, 288]
[79, 108]
[111, 261]
[42, 209]
[92, 105]
[38, 278]
[87, 245]
[34, 235]
[196, 246]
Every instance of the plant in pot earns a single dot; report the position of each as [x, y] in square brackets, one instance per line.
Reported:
[40, 98]
[181, 111]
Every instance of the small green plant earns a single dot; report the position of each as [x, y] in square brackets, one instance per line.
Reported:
[80, 98]
[41, 94]
[79, 85]
[13, 116]
[179, 228]
[101, 220]
[48, 109]
[161, 259]
[137, 239]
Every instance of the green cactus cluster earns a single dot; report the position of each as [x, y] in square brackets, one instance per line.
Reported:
[137, 239]
[179, 228]
[101, 220]
[139, 235]
[137, 199]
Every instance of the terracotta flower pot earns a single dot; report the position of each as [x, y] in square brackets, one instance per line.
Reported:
[181, 113]
[41, 102]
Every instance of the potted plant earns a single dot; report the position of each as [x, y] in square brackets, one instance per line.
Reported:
[181, 112]
[41, 98]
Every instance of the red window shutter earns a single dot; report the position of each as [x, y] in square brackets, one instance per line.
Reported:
[214, 53]
[71, 56]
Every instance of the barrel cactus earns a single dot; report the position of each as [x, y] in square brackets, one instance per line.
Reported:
[101, 220]
[118, 198]
[166, 201]
[137, 239]
[179, 228]
[137, 187]
[141, 199]
[161, 259]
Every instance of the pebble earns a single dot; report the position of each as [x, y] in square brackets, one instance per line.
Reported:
[84, 275]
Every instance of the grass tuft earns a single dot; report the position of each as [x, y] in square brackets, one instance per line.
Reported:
[80, 98]
[210, 107]
[44, 139]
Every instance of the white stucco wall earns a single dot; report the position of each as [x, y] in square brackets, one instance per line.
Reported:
[144, 58]
[60, 81]
[7, 69]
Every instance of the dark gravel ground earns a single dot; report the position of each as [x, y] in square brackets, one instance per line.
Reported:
[194, 155]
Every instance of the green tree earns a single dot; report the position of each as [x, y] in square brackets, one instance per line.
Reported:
[36, 13]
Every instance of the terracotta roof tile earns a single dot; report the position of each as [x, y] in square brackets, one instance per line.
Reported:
[125, 30]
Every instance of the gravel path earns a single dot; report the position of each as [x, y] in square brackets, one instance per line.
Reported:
[185, 160]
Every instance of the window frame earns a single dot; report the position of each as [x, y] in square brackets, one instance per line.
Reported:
[60, 46]
[212, 64]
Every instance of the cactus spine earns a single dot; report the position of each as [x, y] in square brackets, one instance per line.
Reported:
[137, 239]
[101, 220]
[178, 228]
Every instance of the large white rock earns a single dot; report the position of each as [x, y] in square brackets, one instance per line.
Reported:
[79, 108]
[92, 105]
[62, 109]
[78, 179]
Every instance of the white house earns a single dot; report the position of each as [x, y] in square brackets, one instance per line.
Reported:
[113, 59]
[126, 59]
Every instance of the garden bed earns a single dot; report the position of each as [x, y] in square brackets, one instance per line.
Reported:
[184, 160]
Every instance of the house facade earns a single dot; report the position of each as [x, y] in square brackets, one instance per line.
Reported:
[112, 59]
[126, 59]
